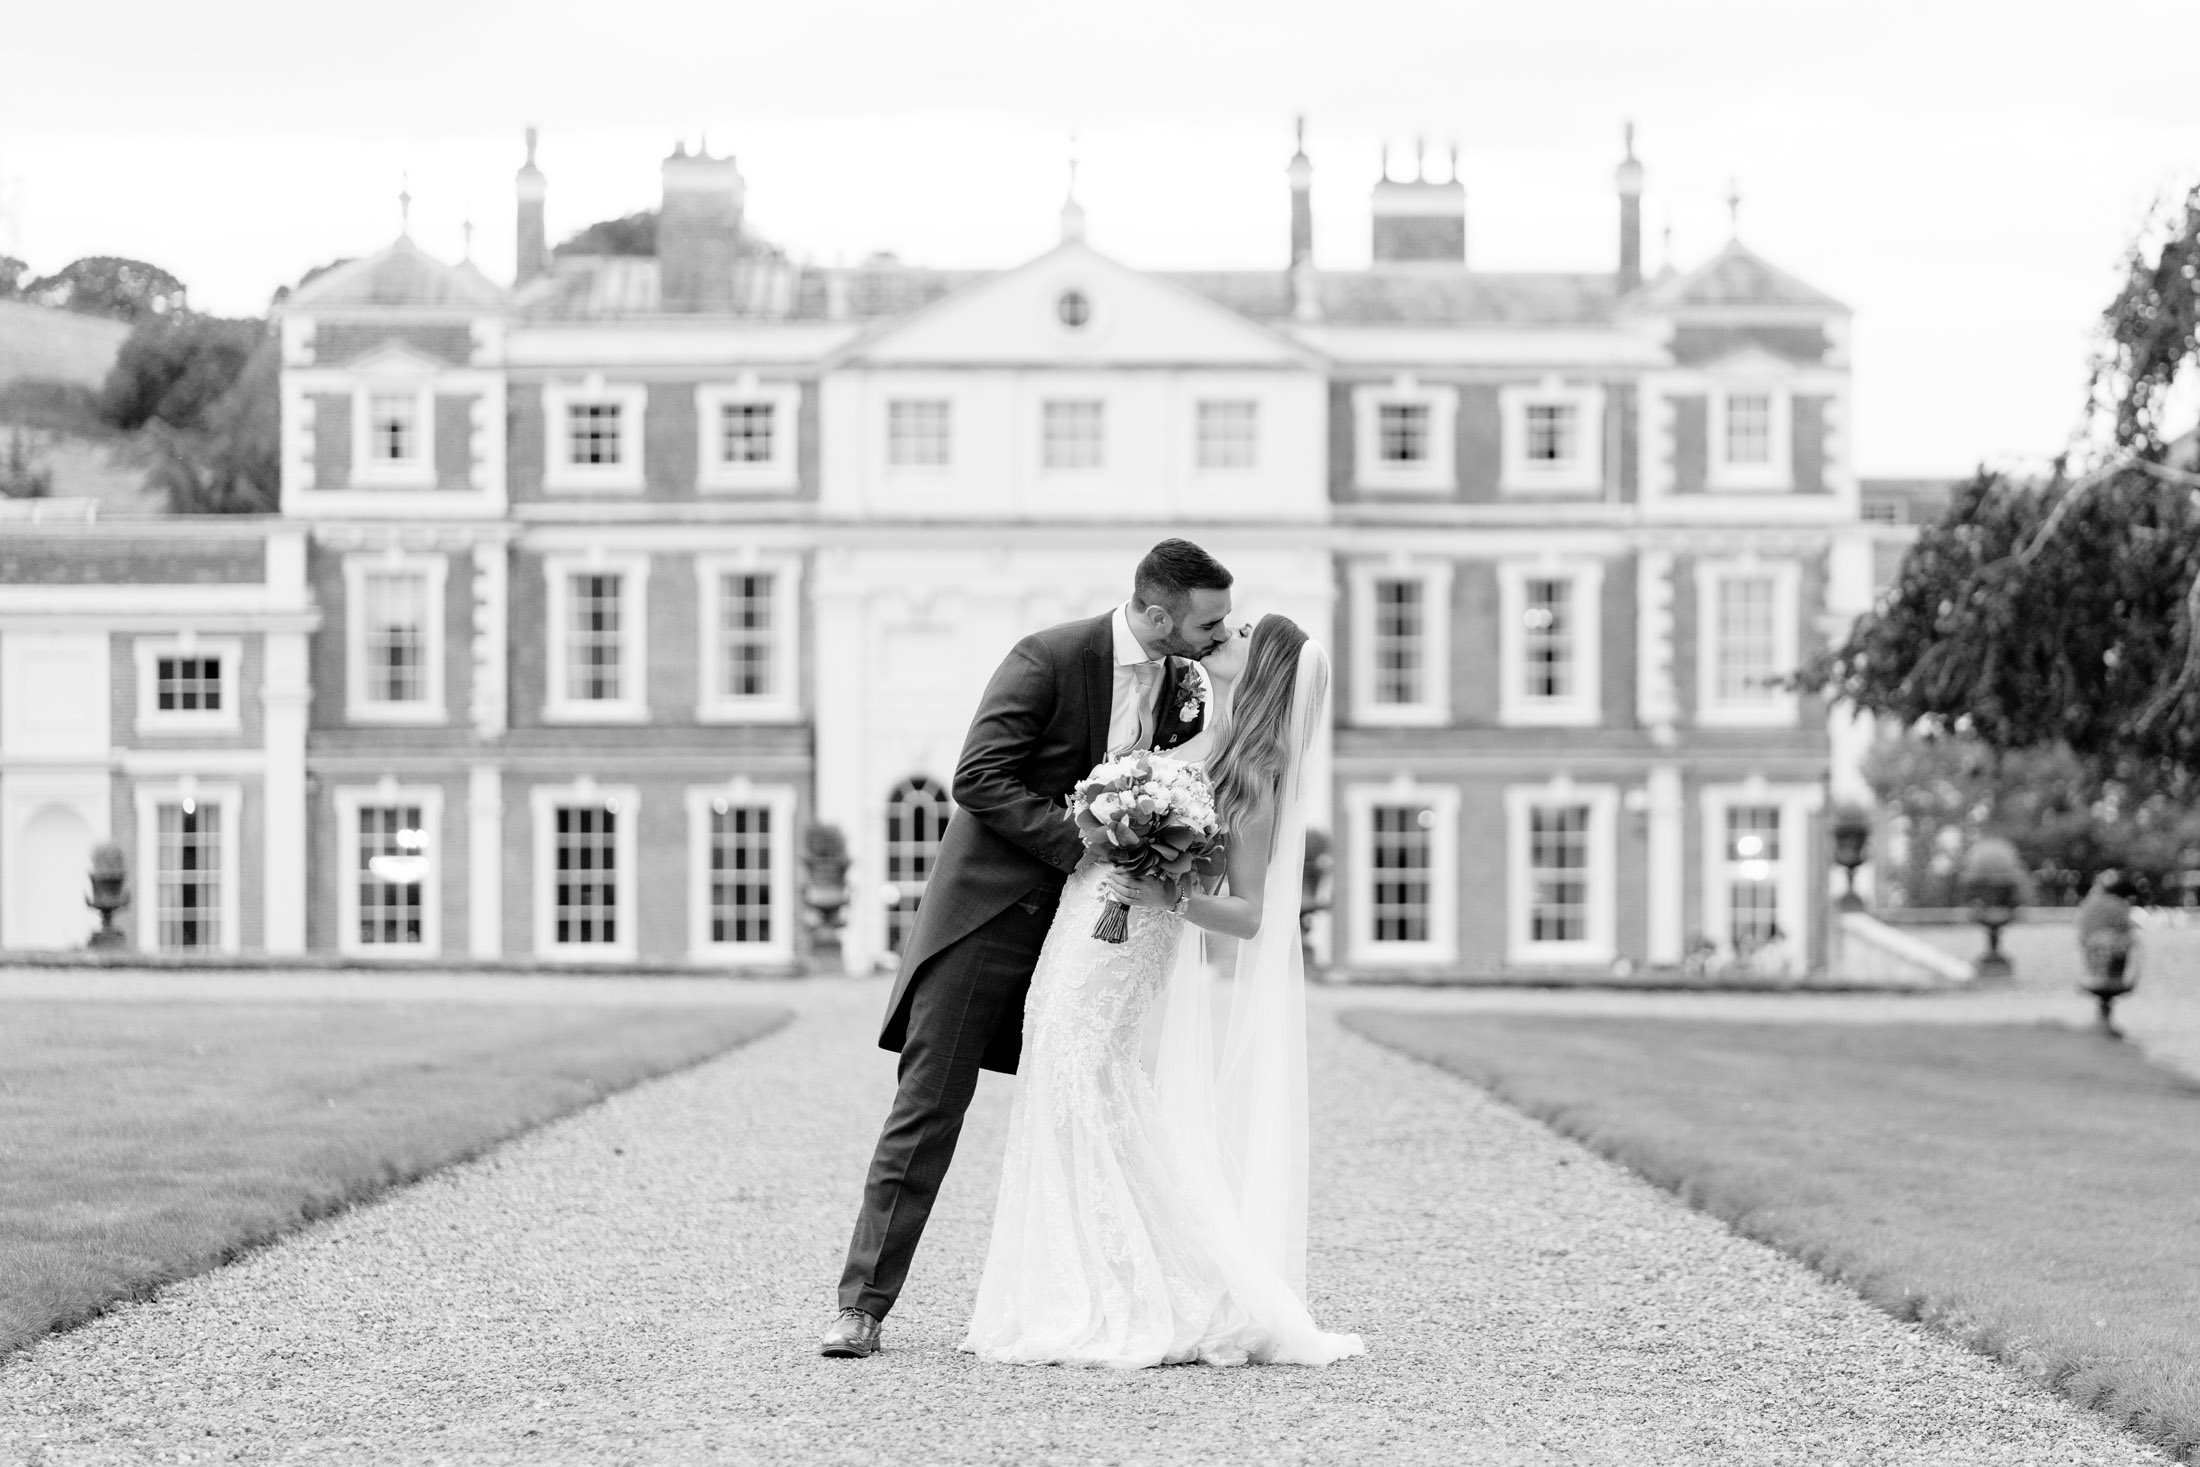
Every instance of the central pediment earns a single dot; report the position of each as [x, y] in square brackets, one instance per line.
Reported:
[1074, 308]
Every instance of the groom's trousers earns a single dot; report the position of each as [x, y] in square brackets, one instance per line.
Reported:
[962, 995]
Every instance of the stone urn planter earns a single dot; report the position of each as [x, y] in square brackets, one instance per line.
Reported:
[825, 895]
[1995, 884]
[110, 893]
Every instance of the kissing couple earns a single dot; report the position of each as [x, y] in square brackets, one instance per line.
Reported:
[1147, 1216]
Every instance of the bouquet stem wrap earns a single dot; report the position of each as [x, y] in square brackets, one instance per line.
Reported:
[1149, 814]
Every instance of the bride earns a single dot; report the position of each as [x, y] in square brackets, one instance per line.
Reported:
[1152, 1220]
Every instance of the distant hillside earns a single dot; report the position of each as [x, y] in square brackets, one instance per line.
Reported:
[59, 346]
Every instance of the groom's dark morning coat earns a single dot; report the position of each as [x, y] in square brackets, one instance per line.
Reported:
[1040, 728]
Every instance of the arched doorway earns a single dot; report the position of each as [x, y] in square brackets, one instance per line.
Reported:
[916, 817]
[51, 878]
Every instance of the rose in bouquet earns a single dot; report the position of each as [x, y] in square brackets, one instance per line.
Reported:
[1149, 814]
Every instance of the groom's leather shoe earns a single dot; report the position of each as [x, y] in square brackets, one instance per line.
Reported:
[853, 1336]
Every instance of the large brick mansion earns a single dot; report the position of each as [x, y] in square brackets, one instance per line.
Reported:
[590, 593]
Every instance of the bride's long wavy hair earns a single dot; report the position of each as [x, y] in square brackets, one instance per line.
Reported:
[1247, 765]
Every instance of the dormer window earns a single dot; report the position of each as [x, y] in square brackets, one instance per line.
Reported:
[1749, 432]
[394, 436]
[747, 435]
[1553, 439]
[593, 437]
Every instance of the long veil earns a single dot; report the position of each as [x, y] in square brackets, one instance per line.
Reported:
[1239, 1107]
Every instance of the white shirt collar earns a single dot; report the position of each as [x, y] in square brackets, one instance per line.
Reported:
[1127, 649]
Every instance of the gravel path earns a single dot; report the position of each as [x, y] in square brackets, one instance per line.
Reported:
[643, 1282]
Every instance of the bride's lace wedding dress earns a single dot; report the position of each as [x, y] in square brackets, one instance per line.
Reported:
[1112, 1243]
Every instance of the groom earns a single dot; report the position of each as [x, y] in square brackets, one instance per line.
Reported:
[1065, 699]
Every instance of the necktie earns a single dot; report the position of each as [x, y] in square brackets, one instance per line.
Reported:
[1146, 675]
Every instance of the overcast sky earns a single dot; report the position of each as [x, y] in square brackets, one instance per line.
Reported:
[1965, 175]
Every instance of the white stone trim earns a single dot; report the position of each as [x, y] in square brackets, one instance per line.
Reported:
[1442, 948]
[1585, 708]
[1778, 473]
[1435, 706]
[784, 703]
[1438, 473]
[1584, 472]
[145, 879]
[1792, 880]
[625, 803]
[559, 473]
[484, 862]
[492, 571]
[349, 799]
[1657, 696]
[152, 722]
[779, 799]
[1599, 946]
[1778, 709]
[360, 706]
[1666, 843]
[779, 471]
[632, 704]
[417, 472]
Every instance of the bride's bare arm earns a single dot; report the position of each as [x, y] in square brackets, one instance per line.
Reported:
[1236, 913]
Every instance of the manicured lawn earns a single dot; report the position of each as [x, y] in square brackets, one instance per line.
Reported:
[142, 1143]
[2034, 1192]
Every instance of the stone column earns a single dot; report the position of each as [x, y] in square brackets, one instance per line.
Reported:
[1666, 898]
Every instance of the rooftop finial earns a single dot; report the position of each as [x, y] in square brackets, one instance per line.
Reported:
[1420, 158]
[1073, 213]
[1630, 133]
[531, 147]
[1668, 236]
[1734, 208]
[1386, 161]
[1300, 131]
[404, 204]
[1455, 162]
[467, 229]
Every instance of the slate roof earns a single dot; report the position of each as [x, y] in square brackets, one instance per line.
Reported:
[766, 287]
[404, 276]
[1736, 276]
[1416, 295]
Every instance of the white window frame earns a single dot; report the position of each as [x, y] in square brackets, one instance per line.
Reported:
[1796, 802]
[1435, 707]
[886, 432]
[360, 706]
[784, 704]
[229, 798]
[1099, 465]
[1585, 708]
[1600, 946]
[369, 472]
[1779, 710]
[775, 473]
[779, 799]
[349, 801]
[153, 720]
[1199, 440]
[1776, 475]
[1438, 474]
[625, 803]
[1583, 473]
[559, 473]
[1442, 948]
[632, 706]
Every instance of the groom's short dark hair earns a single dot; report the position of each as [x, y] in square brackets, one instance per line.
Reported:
[1173, 570]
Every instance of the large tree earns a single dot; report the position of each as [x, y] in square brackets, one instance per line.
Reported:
[2064, 611]
[201, 394]
[109, 285]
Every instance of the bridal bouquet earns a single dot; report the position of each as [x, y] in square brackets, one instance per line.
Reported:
[1151, 815]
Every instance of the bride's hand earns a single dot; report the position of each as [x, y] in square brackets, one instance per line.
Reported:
[1136, 891]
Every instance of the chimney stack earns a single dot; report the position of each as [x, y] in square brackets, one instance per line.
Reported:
[699, 232]
[531, 186]
[1302, 203]
[1420, 221]
[1630, 217]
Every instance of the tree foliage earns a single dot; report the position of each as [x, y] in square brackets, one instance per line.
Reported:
[202, 395]
[109, 285]
[12, 272]
[2063, 612]
[635, 234]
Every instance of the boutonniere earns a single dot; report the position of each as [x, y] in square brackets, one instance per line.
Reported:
[1191, 693]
